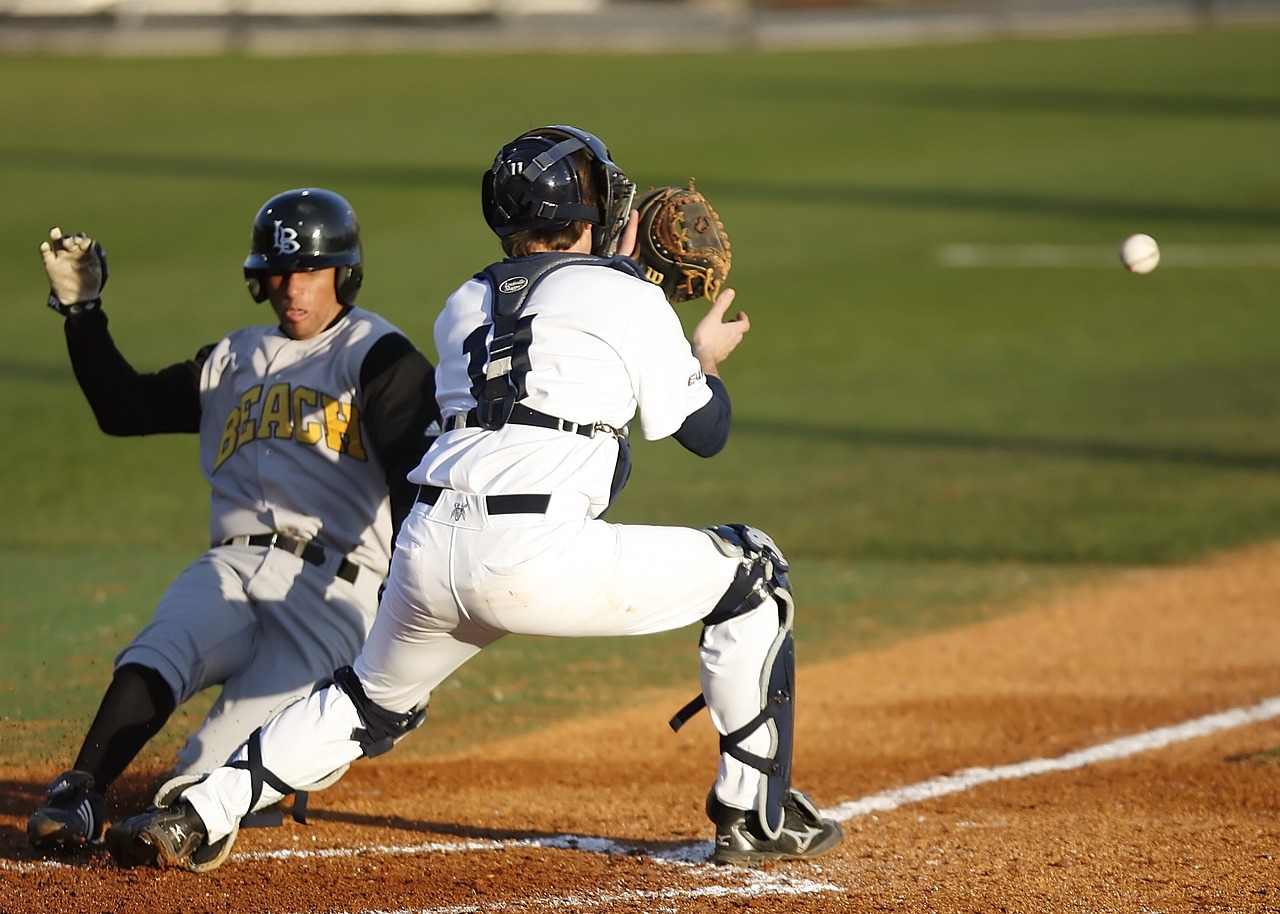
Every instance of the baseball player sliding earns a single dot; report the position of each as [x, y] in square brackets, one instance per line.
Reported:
[545, 359]
[307, 430]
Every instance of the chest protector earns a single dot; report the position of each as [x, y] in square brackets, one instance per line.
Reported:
[511, 282]
[500, 389]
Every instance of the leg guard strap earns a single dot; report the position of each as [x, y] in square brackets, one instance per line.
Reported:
[258, 773]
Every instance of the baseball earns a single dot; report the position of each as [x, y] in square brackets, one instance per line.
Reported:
[1140, 253]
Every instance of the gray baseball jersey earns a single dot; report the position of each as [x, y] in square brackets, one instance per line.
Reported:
[283, 443]
[304, 441]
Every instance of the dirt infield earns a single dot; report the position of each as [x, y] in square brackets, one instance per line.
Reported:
[1173, 808]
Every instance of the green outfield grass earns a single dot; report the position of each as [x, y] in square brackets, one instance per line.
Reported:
[930, 444]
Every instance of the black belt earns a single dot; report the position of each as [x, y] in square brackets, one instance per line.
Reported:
[494, 504]
[525, 415]
[303, 549]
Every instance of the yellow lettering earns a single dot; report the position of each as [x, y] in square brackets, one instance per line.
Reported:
[306, 432]
[247, 399]
[284, 413]
[342, 425]
[275, 420]
[227, 444]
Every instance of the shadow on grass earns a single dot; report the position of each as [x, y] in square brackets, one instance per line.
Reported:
[1082, 448]
[824, 193]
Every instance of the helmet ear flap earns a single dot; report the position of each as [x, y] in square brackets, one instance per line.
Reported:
[257, 288]
[347, 281]
[488, 202]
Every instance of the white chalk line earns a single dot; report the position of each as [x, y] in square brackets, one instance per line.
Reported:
[1104, 752]
[755, 883]
[1172, 256]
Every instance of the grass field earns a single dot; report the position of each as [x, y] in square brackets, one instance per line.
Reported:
[929, 443]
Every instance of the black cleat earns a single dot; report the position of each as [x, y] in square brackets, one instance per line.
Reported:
[741, 840]
[71, 817]
[160, 837]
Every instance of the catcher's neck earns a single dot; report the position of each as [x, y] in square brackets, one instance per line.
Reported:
[581, 246]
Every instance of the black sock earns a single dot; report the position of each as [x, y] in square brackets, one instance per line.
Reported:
[134, 708]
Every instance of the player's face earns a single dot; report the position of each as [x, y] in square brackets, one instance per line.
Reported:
[305, 303]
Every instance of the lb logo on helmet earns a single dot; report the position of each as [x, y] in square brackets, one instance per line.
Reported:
[286, 241]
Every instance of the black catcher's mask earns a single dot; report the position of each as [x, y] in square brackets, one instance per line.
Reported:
[534, 184]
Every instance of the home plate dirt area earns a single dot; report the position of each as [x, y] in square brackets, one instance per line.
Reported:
[1115, 748]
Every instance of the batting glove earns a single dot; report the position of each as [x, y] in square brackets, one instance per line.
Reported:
[77, 269]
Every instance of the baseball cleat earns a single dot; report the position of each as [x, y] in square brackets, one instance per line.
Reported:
[159, 837]
[72, 815]
[741, 841]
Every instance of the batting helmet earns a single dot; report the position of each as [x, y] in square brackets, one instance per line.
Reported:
[534, 184]
[302, 230]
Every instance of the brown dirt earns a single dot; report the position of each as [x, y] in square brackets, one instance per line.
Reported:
[1189, 827]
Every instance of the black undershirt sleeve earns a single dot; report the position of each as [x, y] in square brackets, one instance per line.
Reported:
[706, 430]
[398, 387]
[124, 400]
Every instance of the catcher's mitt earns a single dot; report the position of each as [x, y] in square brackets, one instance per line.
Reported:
[681, 243]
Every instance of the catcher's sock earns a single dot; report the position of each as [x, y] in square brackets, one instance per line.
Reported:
[134, 708]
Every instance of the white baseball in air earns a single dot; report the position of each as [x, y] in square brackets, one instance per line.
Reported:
[1140, 253]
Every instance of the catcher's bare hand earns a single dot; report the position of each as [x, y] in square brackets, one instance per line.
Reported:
[714, 338]
[628, 243]
[77, 269]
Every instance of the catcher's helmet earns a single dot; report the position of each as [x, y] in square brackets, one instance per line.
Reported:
[534, 184]
[302, 230]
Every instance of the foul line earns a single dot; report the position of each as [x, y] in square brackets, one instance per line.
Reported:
[1091, 255]
[1105, 752]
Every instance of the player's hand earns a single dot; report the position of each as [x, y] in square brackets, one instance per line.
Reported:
[628, 241]
[714, 338]
[77, 269]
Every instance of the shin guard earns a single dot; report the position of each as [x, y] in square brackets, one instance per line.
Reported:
[762, 574]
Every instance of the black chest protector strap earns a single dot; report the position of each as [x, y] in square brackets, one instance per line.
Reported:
[498, 394]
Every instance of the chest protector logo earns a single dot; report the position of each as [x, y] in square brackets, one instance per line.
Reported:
[286, 239]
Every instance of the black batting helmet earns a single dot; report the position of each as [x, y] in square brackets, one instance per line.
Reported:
[534, 184]
[302, 230]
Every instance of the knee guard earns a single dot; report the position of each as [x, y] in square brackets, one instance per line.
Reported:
[382, 728]
[762, 573]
